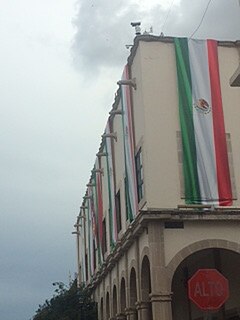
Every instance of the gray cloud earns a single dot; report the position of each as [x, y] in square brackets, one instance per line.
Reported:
[49, 136]
[103, 28]
[220, 22]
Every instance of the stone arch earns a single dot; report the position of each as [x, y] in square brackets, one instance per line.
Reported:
[145, 279]
[133, 264]
[133, 288]
[145, 252]
[195, 247]
[107, 288]
[225, 257]
[145, 289]
[122, 295]
[122, 275]
[114, 300]
[114, 282]
[101, 309]
[107, 306]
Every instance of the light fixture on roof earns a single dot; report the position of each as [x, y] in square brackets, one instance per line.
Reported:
[91, 184]
[97, 170]
[113, 112]
[136, 25]
[81, 216]
[77, 225]
[148, 32]
[110, 135]
[87, 197]
[76, 232]
[129, 82]
[101, 154]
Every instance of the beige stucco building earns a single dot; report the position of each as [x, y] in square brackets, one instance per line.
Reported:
[144, 274]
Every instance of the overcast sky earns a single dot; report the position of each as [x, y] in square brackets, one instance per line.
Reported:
[59, 64]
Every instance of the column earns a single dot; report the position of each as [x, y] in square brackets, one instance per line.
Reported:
[160, 296]
[143, 308]
[121, 316]
[131, 313]
[161, 306]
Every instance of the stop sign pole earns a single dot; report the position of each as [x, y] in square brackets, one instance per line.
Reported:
[208, 289]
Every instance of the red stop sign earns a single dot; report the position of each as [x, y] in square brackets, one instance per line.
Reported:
[208, 289]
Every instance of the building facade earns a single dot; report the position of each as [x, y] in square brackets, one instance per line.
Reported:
[162, 200]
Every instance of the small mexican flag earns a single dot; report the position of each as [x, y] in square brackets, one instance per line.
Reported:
[205, 159]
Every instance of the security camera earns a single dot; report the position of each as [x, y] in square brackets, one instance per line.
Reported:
[135, 24]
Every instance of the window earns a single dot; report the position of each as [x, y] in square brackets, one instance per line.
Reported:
[127, 204]
[230, 162]
[94, 255]
[86, 266]
[104, 237]
[174, 225]
[118, 211]
[139, 174]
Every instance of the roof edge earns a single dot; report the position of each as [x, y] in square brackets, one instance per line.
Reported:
[152, 38]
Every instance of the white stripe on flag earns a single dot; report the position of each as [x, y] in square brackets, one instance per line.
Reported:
[203, 123]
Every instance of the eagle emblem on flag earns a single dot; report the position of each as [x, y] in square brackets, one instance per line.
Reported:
[202, 105]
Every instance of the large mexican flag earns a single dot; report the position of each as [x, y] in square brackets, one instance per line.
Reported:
[205, 159]
[129, 158]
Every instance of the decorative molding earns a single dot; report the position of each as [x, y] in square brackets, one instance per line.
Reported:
[138, 226]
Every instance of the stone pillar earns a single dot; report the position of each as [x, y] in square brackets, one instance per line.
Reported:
[160, 296]
[143, 308]
[131, 313]
[161, 306]
[121, 316]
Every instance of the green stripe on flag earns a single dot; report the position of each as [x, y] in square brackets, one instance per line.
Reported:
[192, 191]
[129, 213]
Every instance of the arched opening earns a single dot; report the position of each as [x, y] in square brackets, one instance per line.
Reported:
[107, 306]
[146, 287]
[145, 279]
[227, 263]
[122, 296]
[133, 291]
[101, 309]
[114, 301]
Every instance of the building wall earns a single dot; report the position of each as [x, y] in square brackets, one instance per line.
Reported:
[161, 123]
[177, 239]
[156, 99]
[156, 123]
[228, 59]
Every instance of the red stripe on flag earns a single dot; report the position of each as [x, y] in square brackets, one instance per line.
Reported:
[223, 176]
